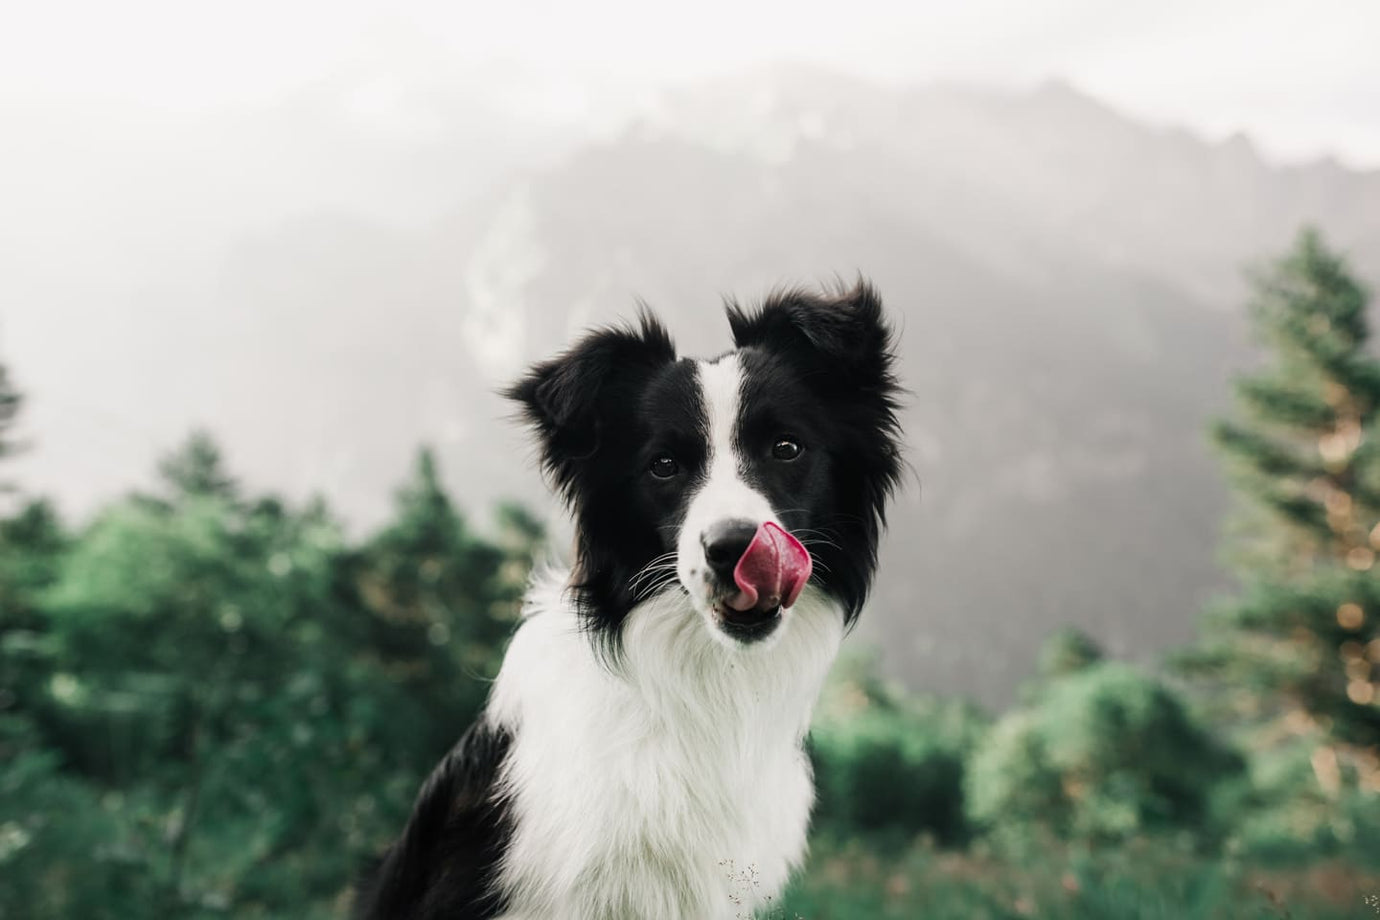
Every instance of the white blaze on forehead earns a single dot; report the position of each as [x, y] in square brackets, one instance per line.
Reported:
[720, 384]
[723, 494]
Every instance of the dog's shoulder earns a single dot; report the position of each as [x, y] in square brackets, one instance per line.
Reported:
[445, 863]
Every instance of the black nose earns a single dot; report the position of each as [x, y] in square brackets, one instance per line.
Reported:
[724, 544]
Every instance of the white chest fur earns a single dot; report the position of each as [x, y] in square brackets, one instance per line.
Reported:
[671, 785]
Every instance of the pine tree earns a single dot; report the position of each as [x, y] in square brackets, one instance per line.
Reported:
[442, 599]
[1296, 656]
[197, 469]
[10, 403]
[9, 408]
[1068, 651]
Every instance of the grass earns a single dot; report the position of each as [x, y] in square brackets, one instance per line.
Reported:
[851, 880]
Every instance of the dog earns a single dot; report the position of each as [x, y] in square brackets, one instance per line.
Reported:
[641, 753]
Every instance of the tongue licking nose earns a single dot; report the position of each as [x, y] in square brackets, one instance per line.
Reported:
[772, 571]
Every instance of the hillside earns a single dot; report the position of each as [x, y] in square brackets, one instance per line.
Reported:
[1068, 279]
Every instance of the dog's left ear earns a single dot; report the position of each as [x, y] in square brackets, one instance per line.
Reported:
[569, 400]
[842, 347]
[841, 335]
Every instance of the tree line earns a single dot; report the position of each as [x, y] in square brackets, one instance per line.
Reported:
[215, 703]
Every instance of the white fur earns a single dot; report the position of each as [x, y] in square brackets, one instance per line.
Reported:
[723, 495]
[670, 786]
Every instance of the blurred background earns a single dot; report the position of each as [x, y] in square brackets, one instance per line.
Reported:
[264, 523]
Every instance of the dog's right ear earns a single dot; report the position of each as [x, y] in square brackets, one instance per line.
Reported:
[569, 400]
[841, 333]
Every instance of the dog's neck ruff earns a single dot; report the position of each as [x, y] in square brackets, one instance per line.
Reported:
[669, 783]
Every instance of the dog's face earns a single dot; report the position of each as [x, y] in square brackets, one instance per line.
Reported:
[740, 481]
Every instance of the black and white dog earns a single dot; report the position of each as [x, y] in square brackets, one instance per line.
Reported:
[640, 756]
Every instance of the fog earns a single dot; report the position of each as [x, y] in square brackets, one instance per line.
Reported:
[326, 231]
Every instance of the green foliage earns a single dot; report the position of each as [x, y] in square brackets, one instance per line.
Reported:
[1286, 657]
[888, 762]
[1145, 879]
[62, 851]
[1067, 652]
[443, 602]
[236, 704]
[32, 544]
[1104, 754]
[1285, 816]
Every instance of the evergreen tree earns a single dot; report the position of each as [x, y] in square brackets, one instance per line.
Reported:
[442, 600]
[1067, 651]
[1296, 657]
[10, 403]
[31, 539]
[197, 469]
[9, 409]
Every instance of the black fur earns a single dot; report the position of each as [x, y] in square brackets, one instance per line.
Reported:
[600, 411]
[443, 865]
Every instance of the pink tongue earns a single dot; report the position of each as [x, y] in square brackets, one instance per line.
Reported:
[771, 572]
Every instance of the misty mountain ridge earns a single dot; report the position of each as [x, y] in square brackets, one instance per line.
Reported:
[1069, 282]
[1050, 160]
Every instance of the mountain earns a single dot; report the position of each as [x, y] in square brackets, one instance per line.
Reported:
[1069, 282]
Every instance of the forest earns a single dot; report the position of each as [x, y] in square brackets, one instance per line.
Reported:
[219, 703]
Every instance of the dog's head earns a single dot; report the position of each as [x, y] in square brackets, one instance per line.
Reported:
[740, 481]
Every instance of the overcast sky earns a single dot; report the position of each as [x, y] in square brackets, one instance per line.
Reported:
[1302, 78]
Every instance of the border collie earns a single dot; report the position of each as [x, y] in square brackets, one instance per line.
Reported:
[641, 753]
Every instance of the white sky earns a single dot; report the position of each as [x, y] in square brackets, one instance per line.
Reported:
[1302, 78]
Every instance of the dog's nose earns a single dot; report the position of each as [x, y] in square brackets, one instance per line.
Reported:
[724, 544]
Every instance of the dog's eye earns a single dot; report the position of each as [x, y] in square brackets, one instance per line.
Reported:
[786, 449]
[664, 467]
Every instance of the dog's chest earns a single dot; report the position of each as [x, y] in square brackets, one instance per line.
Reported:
[656, 830]
[682, 802]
